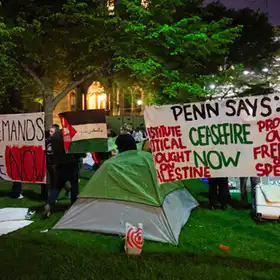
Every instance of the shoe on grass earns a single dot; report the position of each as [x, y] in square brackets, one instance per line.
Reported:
[20, 196]
[215, 206]
[67, 186]
[47, 212]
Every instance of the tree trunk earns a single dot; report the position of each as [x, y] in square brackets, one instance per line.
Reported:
[48, 109]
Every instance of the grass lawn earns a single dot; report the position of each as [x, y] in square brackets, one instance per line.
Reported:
[29, 254]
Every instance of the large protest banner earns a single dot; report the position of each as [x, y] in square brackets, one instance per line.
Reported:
[229, 138]
[22, 148]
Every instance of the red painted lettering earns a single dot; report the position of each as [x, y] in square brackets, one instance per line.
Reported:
[268, 124]
[26, 164]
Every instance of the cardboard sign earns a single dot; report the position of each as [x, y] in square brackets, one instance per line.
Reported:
[22, 148]
[229, 138]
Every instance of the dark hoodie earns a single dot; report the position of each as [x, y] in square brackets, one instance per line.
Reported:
[60, 157]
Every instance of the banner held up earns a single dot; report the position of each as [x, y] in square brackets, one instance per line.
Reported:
[229, 138]
[22, 146]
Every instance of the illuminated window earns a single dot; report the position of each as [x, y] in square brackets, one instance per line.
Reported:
[144, 3]
[111, 7]
[96, 98]
[73, 101]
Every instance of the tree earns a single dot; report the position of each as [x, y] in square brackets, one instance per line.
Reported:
[60, 39]
[9, 78]
[255, 45]
[253, 51]
[167, 57]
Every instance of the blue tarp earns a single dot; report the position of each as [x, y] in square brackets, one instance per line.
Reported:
[204, 180]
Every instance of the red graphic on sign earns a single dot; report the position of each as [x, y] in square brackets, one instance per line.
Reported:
[26, 164]
[68, 133]
[134, 238]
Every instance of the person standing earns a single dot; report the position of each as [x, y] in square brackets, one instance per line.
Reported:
[218, 193]
[66, 169]
[50, 164]
[243, 189]
[16, 190]
[125, 141]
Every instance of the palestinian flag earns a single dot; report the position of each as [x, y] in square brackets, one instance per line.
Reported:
[84, 131]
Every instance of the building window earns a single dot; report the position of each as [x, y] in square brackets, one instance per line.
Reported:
[73, 100]
[96, 98]
[111, 7]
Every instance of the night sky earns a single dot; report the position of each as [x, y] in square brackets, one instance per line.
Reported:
[273, 9]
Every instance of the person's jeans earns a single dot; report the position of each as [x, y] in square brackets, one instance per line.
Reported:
[243, 188]
[16, 189]
[44, 191]
[63, 175]
[218, 191]
[50, 182]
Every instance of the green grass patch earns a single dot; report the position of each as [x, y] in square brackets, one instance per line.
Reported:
[64, 254]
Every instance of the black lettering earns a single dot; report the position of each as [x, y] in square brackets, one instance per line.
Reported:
[177, 111]
[31, 160]
[29, 136]
[40, 174]
[265, 103]
[187, 114]
[4, 125]
[242, 106]
[21, 130]
[40, 124]
[13, 162]
[230, 104]
[253, 106]
[212, 109]
[199, 111]
[13, 135]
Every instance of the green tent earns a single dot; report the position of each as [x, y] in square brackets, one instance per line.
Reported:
[125, 189]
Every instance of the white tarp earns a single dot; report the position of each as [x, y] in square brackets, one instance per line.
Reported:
[12, 219]
[228, 138]
[10, 226]
[13, 214]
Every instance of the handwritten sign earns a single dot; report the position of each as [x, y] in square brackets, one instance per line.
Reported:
[22, 148]
[229, 138]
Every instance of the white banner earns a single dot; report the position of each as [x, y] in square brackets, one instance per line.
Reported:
[229, 138]
[22, 148]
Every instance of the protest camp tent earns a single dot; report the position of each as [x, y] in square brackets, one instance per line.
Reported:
[125, 190]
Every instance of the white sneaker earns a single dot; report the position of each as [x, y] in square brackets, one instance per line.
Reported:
[20, 196]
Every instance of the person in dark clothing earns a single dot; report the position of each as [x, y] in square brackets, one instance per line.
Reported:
[126, 142]
[56, 126]
[218, 193]
[66, 169]
[50, 165]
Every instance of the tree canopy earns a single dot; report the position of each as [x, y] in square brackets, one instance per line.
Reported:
[167, 56]
[171, 48]
[7, 64]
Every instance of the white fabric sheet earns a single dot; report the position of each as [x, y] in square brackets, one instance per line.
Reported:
[12, 219]
[13, 214]
[10, 226]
